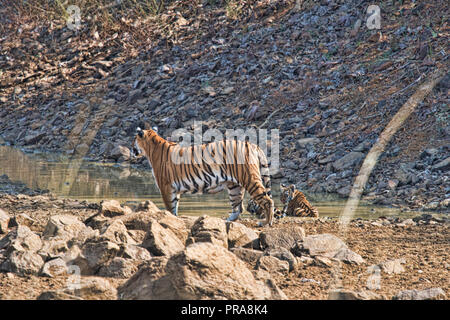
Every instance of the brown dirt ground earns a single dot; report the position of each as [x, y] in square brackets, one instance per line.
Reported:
[426, 249]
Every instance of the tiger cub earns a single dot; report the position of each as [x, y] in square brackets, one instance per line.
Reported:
[296, 204]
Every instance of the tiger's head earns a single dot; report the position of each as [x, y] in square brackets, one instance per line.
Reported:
[139, 143]
[287, 193]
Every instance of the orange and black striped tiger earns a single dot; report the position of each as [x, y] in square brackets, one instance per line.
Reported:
[295, 203]
[238, 166]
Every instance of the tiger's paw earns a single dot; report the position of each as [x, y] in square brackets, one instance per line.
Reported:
[264, 224]
[233, 216]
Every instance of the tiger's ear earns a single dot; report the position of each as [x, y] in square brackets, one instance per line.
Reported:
[139, 132]
[155, 128]
[282, 186]
[292, 187]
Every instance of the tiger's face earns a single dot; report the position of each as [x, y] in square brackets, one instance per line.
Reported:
[137, 149]
[287, 193]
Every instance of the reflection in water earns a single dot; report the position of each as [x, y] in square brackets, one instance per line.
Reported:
[98, 181]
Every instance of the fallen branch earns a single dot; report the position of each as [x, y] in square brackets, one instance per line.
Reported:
[268, 118]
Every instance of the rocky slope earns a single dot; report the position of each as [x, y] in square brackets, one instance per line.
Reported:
[65, 249]
[327, 83]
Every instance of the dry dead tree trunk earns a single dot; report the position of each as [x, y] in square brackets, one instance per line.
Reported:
[379, 146]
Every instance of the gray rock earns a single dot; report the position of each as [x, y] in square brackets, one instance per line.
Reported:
[22, 219]
[322, 244]
[350, 160]
[174, 224]
[329, 246]
[427, 294]
[33, 138]
[94, 255]
[444, 165]
[53, 248]
[301, 143]
[57, 295]
[134, 96]
[120, 153]
[134, 252]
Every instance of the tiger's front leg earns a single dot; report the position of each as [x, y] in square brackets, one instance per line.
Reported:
[236, 195]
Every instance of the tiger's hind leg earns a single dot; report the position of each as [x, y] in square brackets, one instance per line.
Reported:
[236, 195]
[263, 199]
[171, 199]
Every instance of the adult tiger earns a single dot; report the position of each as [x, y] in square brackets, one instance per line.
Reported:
[208, 168]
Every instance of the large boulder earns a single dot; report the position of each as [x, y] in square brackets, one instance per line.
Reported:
[161, 241]
[241, 236]
[23, 263]
[150, 282]
[112, 208]
[134, 252]
[65, 227]
[53, 248]
[174, 224]
[21, 239]
[94, 255]
[285, 237]
[116, 232]
[138, 220]
[209, 229]
[208, 271]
